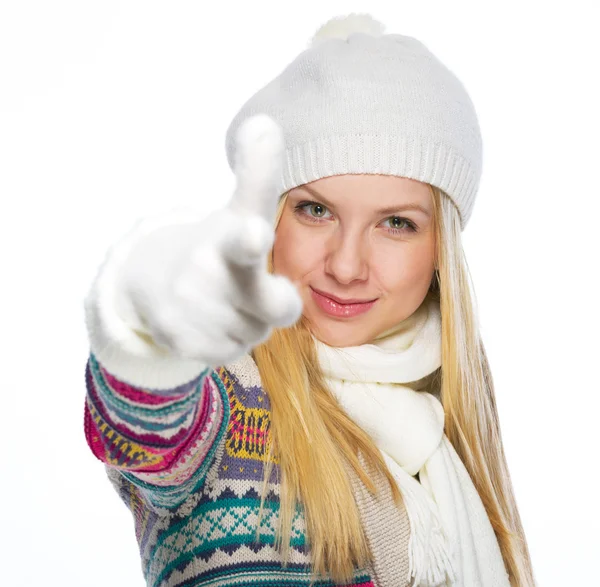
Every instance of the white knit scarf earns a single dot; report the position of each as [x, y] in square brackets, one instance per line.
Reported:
[452, 542]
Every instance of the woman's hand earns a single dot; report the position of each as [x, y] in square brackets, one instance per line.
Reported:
[201, 289]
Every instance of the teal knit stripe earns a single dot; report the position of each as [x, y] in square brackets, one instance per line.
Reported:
[221, 534]
[249, 504]
[263, 575]
[241, 533]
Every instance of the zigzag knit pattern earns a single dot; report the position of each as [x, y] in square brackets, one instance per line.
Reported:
[188, 463]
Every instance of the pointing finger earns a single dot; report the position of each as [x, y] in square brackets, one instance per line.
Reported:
[258, 165]
[247, 240]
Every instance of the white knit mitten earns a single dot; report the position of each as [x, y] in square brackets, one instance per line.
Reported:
[198, 289]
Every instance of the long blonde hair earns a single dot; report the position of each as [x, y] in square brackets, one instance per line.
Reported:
[313, 439]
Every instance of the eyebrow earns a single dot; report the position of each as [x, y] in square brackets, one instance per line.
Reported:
[388, 210]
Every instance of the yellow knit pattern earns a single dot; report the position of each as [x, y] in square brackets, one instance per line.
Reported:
[248, 430]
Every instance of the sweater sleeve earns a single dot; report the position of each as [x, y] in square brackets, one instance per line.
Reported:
[154, 417]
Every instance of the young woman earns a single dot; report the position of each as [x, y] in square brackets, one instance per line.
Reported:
[293, 389]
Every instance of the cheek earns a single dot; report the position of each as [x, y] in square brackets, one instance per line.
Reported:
[294, 255]
[405, 269]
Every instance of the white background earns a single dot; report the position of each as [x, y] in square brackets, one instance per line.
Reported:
[113, 110]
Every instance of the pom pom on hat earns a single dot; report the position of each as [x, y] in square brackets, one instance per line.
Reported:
[341, 27]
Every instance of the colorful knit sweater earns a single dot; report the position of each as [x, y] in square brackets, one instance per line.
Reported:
[188, 463]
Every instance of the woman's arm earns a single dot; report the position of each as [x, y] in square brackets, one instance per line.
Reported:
[176, 296]
[152, 415]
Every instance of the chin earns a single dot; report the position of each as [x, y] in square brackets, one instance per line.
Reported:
[339, 334]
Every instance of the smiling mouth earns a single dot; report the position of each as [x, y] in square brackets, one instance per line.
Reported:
[342, 300]
[338, 310]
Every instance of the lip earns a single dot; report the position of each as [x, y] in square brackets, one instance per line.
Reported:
[340, 300]
[335, 308]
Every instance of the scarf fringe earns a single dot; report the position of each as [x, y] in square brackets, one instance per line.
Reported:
[430, 562]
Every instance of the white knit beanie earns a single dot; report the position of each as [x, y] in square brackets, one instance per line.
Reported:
[360, 101]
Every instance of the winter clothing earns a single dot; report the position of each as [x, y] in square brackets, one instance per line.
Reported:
[452, 538]
[359, 101]
[188, 463]
[184, 444]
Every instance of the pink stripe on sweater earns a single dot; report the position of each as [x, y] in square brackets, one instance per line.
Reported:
[241, 429]
[138, 394]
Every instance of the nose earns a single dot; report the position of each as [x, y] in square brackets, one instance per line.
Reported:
[346, 259]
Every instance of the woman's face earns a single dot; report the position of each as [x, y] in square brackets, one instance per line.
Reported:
[354, 237]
